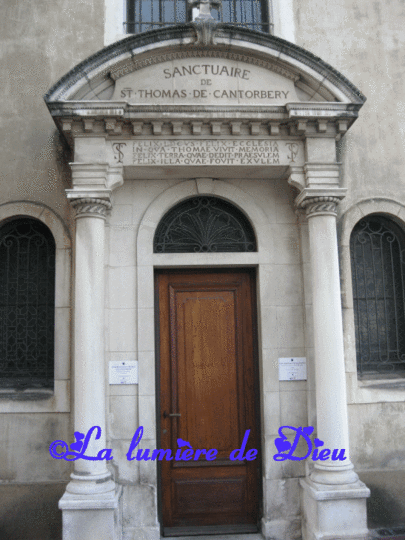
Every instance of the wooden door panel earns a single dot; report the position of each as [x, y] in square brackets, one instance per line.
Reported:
[205, 338]
[197, 497]
[207, 376]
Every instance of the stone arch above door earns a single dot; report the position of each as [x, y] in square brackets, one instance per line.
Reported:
[198, 187]
[95, 77]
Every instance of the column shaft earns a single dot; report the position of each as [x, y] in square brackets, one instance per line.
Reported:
[332, 422]
[89, 370]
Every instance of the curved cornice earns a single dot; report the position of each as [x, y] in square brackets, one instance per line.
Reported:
[297, 63]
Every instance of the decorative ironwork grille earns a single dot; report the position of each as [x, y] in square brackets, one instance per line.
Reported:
[204, 224]
[27, 304]
[251, 14]
[377, 255]
[143, 15]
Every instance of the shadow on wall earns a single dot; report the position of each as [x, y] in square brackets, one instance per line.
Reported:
[386, 505]
[31, 512]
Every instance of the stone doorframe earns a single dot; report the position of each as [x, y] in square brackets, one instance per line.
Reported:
[334, 500]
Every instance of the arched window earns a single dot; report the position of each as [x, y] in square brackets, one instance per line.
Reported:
[204, 224]
[27, 304]
[377, 255]
[143, 15]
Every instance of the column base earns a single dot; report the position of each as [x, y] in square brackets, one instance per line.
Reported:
[92, 517]
[334, 512]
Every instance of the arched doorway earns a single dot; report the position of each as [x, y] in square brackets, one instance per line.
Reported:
[208, 384]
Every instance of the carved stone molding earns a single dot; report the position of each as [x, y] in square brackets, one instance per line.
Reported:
[91, 207]
[129, 66]
[320, 205]
[205, 31]
[251, 121]
[205, 24]
[296, 175]
[320, 201]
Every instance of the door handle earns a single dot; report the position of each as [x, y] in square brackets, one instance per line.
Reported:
[166, 415]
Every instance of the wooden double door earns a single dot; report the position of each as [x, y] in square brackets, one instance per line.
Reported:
[208, 400]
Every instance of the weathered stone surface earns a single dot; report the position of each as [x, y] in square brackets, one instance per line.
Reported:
[31, 511]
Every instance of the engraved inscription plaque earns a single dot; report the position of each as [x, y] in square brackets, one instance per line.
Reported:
[214, 81]
[251, 152]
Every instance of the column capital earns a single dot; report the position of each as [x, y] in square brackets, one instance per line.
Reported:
[90, 206]
[320, 205]
[320, 202]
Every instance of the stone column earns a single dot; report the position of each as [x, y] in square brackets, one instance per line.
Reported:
[334, 498]
[89, 387]
[90, 504]
[332, 423]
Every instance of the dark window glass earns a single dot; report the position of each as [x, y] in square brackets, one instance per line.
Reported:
[377, 250]
[143, 15]
[27, 304]
[204, 224]
[251, 14]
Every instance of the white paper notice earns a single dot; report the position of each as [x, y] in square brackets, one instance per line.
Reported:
[292, 369]
[123, 372]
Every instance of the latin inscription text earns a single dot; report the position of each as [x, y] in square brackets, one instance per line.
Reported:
[207, 152]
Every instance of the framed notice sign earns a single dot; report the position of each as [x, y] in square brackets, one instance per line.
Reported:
[292, 369]
[123, 372]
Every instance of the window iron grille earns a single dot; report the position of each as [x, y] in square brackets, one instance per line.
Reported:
[144, 15]
[377, 258]
[27, 304]
[204, 225]
[252, 14]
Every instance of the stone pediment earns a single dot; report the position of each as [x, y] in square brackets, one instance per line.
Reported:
[251, 61]
[245, 83]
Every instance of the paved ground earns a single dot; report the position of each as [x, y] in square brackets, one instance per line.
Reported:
[221, 537]
[256, 537]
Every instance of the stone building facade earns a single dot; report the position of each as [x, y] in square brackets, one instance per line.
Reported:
[212, 199]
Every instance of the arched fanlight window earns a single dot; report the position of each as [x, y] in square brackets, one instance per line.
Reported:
[377, 257]
[204, 224]
[143, 15]
[27, 304]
